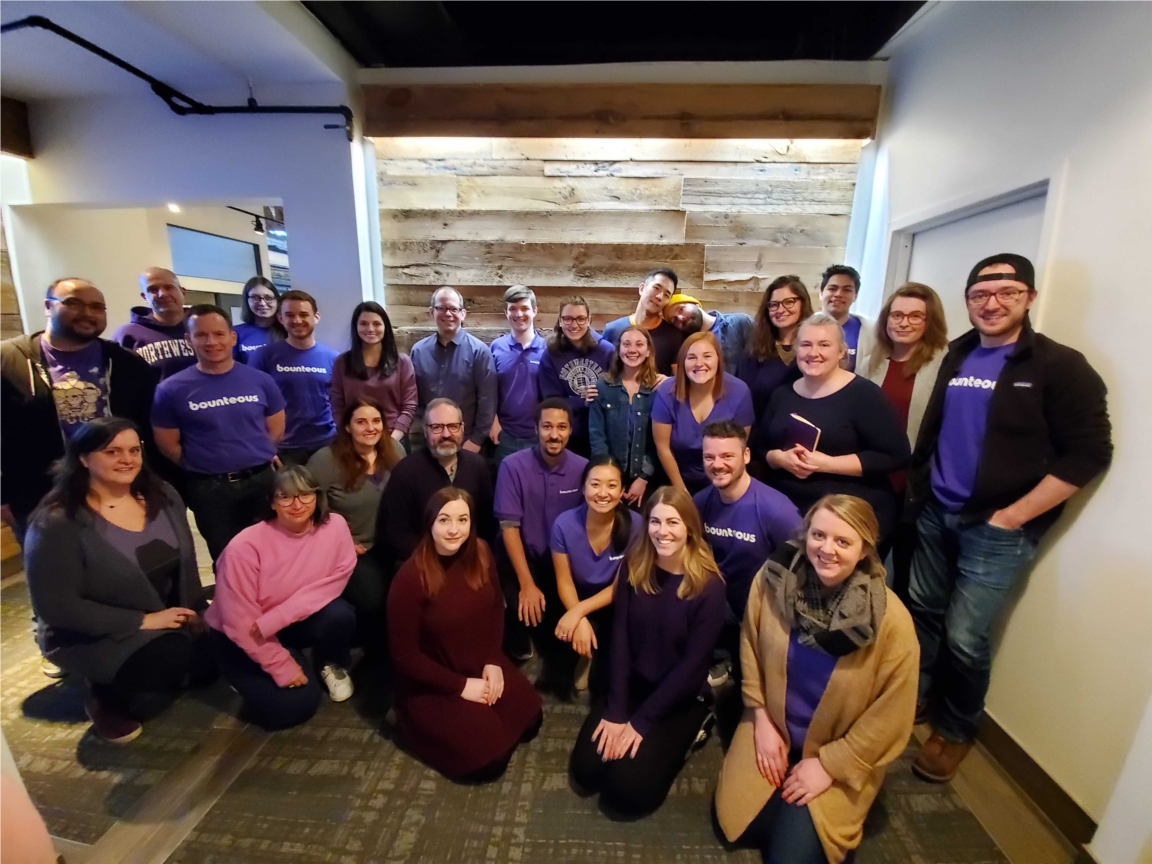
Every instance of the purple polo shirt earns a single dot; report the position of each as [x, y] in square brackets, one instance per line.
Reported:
[531, 493]
[590, 572]
[962, 427]
[688, 434]
[809, 670]
[745, 533]
[517, 368]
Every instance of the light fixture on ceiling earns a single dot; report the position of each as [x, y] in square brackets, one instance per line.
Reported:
[174, 207]
[258, 225]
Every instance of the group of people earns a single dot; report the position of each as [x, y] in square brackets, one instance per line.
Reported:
[688, 496]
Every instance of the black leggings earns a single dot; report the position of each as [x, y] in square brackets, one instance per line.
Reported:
[638, 786]
[162, 664]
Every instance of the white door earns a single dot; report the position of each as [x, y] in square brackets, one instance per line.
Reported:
[942, 256]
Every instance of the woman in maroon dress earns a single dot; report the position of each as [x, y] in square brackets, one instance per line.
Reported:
[462, 706]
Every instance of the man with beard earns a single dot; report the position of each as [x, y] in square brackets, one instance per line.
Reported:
[156, 331]
[744, 522]
[1015, 425]
[302, 369]
[56, 380]
[655, 289]
[533, 488]
[732, 329]
[418, 476]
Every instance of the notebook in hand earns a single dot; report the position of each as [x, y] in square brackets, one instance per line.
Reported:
[801, 432]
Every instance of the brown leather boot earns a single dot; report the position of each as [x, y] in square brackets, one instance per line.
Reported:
[939, 759]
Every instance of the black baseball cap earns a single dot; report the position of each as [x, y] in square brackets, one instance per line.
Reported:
[1024, 271]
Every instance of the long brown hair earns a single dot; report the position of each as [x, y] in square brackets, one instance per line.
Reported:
[558, 340]
[681, 389]
[934, 340]
[353, 469]
[699, 564]
[765, 334]
[647, 374]
[860, 517]
[473, 554]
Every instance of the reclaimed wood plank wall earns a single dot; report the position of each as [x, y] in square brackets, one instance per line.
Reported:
[591, 216]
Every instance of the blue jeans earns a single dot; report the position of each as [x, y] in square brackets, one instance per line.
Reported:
[508, 445]
[785, 834]
[962, 575]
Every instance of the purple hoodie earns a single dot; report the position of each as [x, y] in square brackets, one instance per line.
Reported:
[163, 347]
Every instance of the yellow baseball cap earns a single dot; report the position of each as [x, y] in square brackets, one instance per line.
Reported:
[682, 298]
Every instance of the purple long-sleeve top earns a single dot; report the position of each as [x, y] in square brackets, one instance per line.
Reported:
[568, 373]
[661, 646]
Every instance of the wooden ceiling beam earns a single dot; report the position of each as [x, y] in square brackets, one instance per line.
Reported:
[624, 110]
[15, 136]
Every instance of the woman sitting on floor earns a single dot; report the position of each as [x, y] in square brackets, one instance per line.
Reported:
[112, 573]
[669, 610]
[588, 545]
[830, 666]
[463, 707]
[278, 586]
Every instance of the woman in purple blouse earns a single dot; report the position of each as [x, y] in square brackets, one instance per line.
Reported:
[374, 368]
[669, 610]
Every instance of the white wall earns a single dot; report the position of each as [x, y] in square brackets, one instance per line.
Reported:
[989, 97]
[134, 152]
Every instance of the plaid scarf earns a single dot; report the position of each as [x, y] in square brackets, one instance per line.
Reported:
[837, 623]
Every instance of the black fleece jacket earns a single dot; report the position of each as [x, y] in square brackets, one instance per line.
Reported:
[1048, 415]
[31, 439]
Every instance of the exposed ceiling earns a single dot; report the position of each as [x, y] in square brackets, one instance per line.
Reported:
[397, 33]
[198, 47]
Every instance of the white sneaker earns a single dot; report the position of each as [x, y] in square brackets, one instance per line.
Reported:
[338, 682]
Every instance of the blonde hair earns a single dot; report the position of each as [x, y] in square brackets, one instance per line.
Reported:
[699, 564]
[934, 340]
[859, 516]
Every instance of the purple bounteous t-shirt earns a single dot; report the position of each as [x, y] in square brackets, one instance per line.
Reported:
[534, 495]
[249, 339]
[162, 346]
[745, 533]
[304, 377]
[79, 384]
[809, 670]
[688, 434]
[221, 418]
[590, 572]
[962, 426]
[517, 369]
[852, 337]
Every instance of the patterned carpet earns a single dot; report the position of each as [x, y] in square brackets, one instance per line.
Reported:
[336, 790]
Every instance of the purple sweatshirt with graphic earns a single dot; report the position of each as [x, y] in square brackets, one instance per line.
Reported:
[161, 345]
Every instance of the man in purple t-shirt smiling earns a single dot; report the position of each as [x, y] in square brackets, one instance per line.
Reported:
[220, 420]
[533, 488]
[1015, 425]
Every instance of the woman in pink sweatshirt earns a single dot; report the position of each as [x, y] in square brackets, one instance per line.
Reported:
[278, 586]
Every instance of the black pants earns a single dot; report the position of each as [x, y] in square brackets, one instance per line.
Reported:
[559, 658]
[601, 621]
[328, 632]
[224, 508]
[784, 834]
[638, 786]
[163, 665]
[367, 591]
[296, 455]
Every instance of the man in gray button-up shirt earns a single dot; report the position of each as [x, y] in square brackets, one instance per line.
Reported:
[454, 364]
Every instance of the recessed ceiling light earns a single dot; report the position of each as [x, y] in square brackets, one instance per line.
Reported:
[175, 208]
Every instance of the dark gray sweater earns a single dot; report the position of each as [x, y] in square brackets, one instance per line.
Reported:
[89, 599]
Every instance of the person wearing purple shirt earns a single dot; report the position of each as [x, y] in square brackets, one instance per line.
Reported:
[453, 364]
[517, 357]
[700, 393]
[302, 369]
[669, 610]
[588, 544]
[575, 360]
[221, 421]
[532, 489]
[839, 287]
[156, 331]
[744, 522]
[259, 303]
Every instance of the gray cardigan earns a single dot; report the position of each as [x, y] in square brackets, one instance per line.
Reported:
[921, 388]
[90, 599]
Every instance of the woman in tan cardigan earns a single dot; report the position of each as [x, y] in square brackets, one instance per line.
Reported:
[830, 662]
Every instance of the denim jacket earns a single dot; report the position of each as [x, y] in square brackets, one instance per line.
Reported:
[608, 428]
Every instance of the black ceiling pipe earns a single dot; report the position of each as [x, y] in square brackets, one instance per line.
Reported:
[181, 103]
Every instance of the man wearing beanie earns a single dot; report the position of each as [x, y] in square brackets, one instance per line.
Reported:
[1015, 425]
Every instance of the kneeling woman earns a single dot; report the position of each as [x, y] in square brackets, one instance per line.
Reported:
[278, 586]
[112, 573]
[462, 706]
[669, 610]
[830, 665]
